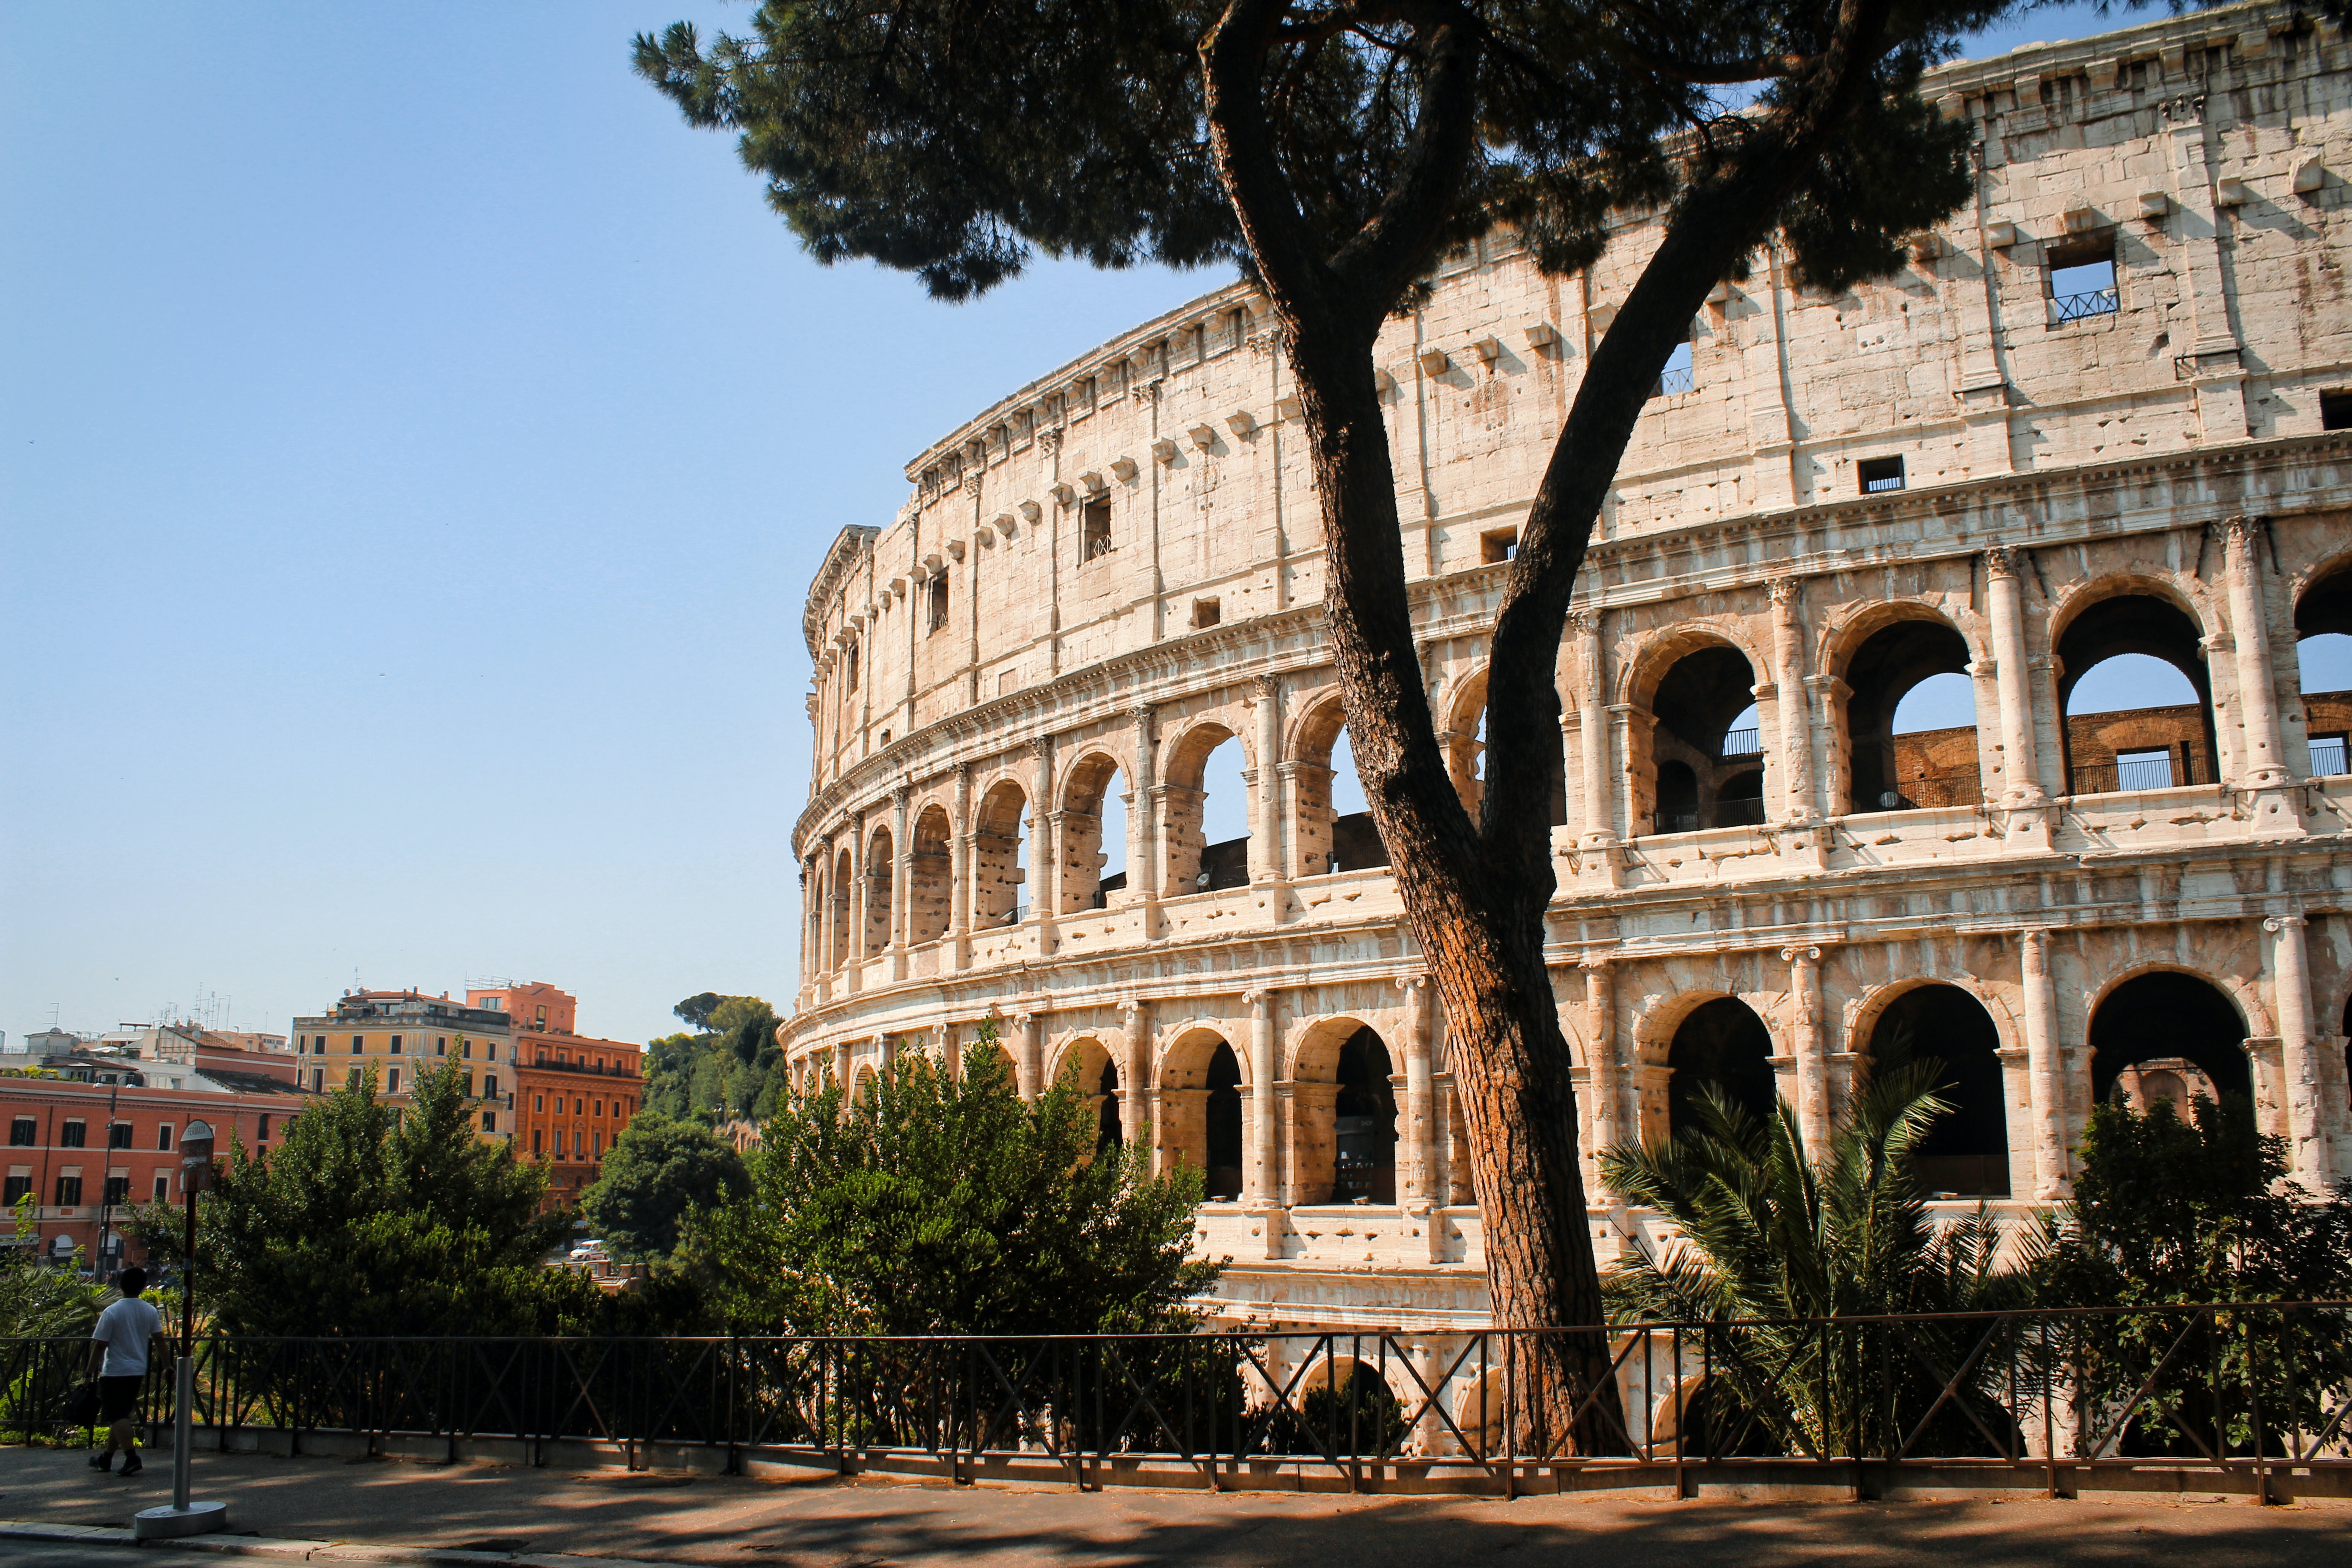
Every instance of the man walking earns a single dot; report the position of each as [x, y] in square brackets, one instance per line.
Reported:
[117, 1359]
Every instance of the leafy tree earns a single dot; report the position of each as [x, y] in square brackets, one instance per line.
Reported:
[1336, 150]
[696, 1010]
[934, 1203]
[37, 1302]
[2170, 1212]
[727, 1068]
[659, 1169]
[369, 1221]
[1768, 1232]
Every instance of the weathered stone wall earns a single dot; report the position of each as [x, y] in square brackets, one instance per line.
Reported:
[2153, 477]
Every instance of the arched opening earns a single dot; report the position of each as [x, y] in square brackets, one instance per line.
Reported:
[1725, 1044]
[875, 937]
[1364, 1123]
[1911, 720]
[1208, 825]
[2322, 629]
[1340, 1406]
[1707, 756]
[930, 883]
[2161, 1020]
[2138, 706]
[1966, 1155]
[845, 875]
[1088, 1066]
[999, 852]
[1093, 836]
[1333, 822]
[1200, 1116]
[1111, 1135]
[1465, 753]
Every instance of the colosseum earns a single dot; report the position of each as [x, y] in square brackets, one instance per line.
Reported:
[1841, 770]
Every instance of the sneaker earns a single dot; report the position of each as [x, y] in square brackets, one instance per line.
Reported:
[132, 1463]
[102, 1460]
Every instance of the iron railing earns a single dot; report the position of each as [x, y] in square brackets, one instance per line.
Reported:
[2041, 1398]
[2065, 308]
[2186, 767]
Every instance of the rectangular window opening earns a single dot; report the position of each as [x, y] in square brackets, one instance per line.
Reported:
[2328, 756]
[21, 1132]
[118, 1136]
[937, 614]
[163, 1139]
[2145, 770]
[2335, 409]
[849, 668]
[2080, 276]
[1500, 544]
[17, 1189]
[1680, 376]
[163, 1188]
[1094, 527]
[1206, 612]
[73, 1135]
[489, 1122]
[1879, 475]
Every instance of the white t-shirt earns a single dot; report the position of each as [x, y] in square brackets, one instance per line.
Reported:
[124, 1328]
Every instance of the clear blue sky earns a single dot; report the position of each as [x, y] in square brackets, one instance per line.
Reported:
[417, 442]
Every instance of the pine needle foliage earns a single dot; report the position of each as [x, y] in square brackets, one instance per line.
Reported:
[931, 1204]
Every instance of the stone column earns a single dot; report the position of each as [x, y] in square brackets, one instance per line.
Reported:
[1266, 818]
[1259, 1180]
[2262, 763]
[1600, 1045]
[2290, 1002]
[1135, 1109]
[1592, 731]
[841, 1066]
[1621, 804]
[959, 873]
[2013, 674]
[1143, 854]
[2044, 1071]
[1420, 1122]
[902, 881]
[1045, 851]
[1029, 1061]
[1805, 1044]
[853, 955]
[1789, 705]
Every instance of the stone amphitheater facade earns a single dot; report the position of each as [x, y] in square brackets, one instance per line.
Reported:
[1973, 468]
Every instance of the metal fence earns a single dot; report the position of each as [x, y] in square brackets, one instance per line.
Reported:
[2045, 1399]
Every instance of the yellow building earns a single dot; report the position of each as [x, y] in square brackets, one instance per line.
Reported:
[402, 1035]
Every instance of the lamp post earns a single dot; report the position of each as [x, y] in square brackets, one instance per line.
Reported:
[183, 1517]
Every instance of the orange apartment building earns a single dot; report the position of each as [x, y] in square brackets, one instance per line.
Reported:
[573, 1093]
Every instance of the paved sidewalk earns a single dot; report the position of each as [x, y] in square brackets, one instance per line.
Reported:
[547, 1515]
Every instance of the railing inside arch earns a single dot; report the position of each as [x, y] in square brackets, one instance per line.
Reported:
[2037, 1399]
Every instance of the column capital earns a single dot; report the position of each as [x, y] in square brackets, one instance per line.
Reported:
[2277, 924]
[1590, 962]
[1784, 592]
[2243, 529]
[1043, 746]
[1141, 713]
[2000, 560]
[1132, 1006]
[1805, 954]
[900, 795]
[1585, 622]
[1265, 686]
[1408, 983]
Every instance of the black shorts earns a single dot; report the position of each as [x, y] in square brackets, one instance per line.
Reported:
[116, 1395]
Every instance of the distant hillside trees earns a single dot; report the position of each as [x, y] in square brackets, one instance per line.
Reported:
[729, 1064]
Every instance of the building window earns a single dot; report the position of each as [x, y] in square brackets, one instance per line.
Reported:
[539, 1104]
[2335, 410]
[489, 1122]
[936, 600]
[2080, 276]
[21, 1132]
[263, 1136]
[849, 668]
[2328, 756]
[118, 1190]
[1879, 474]
[466, 1049]
[441, 1046]
[73, 1135]
[1206, 612]
[538, 1140]
[319, 1080]
[163, 1139]
[1499, 546]
[359, 1042]
[392, 1081]
[163, 1189]
[353, 1081]
[395, 1045]
[118, 1135]
[490, 1086]
[540, 1014]
[491, 1050]
[1680, 376]
[1094, 527]
[19, 1189]
[599, 1108]
[319, 1046]
[469, 1086]
[68, 1192]
[600, 1145]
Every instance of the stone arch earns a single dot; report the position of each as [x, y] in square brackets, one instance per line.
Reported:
[1691, 683]
[1719, 1039]
[1343, 1401]
[1087, 784]
[2164, 1011]
[1000, 830]
[1194, 865]
[1343, 1113]
[2322, 608]
[931, 881]
[1323, 839]
[1879, 657]
[2138, 748]
[1967, 1153]
[863, 1081]
[1200, 1118]
[1094, 1071]
[845, 875]
[1462, 704]
[881, 870]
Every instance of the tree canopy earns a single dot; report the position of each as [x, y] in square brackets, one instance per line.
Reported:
[657, 1171]
[938, 1203]
[730, 1066]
